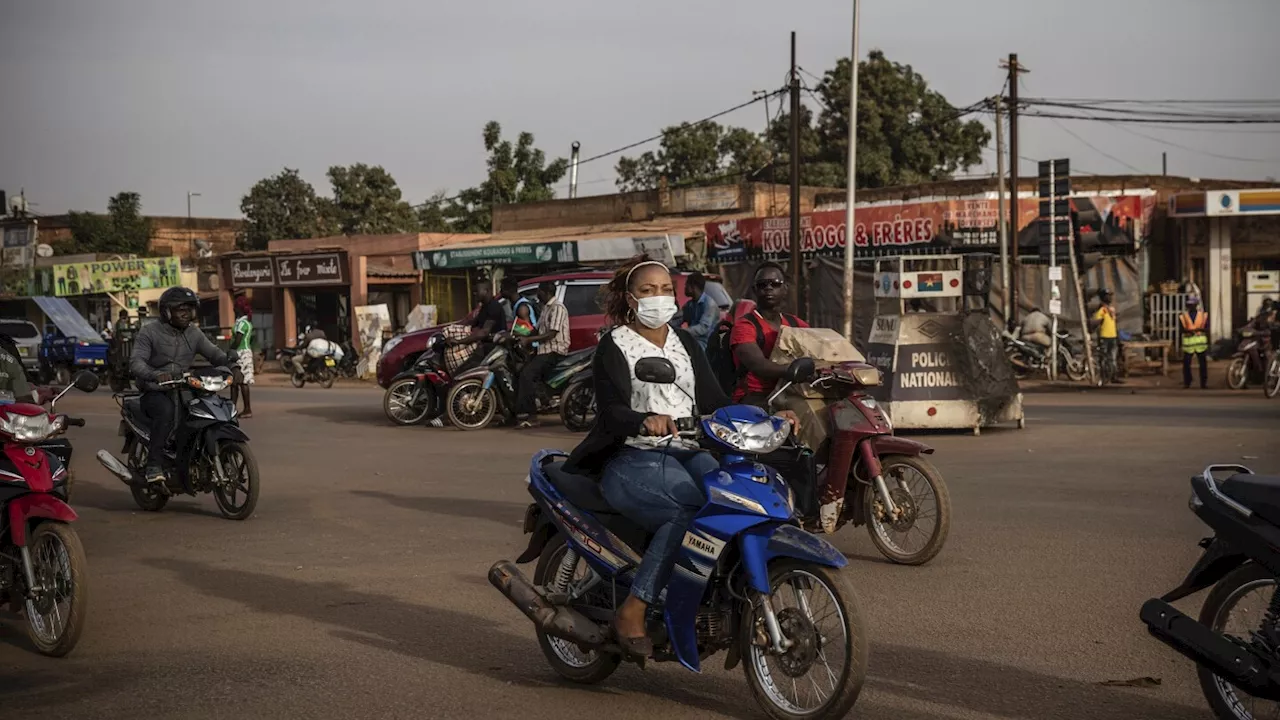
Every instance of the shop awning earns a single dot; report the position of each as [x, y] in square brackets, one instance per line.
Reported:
[69, 320]
[1220, 203]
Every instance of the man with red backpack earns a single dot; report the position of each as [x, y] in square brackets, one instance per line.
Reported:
[755, 334]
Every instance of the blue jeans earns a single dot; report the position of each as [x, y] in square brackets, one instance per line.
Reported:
[660, 492]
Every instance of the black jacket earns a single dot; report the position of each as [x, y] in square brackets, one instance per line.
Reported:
[615, 420]
[162, 348]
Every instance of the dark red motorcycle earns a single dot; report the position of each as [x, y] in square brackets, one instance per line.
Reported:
[885, 481]
[417, 394]
[42, 563]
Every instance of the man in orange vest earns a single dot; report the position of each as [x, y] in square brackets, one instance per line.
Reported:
[1195, 341]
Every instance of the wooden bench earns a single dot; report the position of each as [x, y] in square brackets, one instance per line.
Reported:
[1138, 356]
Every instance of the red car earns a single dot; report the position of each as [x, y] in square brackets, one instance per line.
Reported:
[577, 290]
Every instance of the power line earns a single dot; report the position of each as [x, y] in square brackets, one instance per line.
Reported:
[1207, 153]
[624, 148]
[1094, 148]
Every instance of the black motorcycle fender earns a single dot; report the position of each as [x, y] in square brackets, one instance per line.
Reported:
[220, 431]
[580, 376]
[540, 530]
[1218, 559]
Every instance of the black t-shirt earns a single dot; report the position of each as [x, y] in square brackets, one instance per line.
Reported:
[491, 310]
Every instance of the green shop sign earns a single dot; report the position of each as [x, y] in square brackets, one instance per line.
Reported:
[465, 257]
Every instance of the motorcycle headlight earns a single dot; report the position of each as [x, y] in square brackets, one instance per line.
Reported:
[389, 345]
[758, 438]
[31, 428]
[209, 384]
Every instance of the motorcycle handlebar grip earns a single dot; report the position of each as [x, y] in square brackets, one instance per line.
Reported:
[75, 421]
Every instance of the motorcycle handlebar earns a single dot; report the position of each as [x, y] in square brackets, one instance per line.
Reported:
[74, 421]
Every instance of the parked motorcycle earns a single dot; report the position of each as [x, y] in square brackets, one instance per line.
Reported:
[1236, 641]
[349, 361]
[417, 393]
[1271, 384]
[43, 571]
[1249, 363]
[1030, 358]
[479, 395]
[207, 453]
[747, 579]
[891, 488]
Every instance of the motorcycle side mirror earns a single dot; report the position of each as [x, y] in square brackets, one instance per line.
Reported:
[656, 370]
[800, 370]
[85, 381]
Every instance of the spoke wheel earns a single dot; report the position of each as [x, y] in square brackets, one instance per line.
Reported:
[919, 530]
[148, 497]
[1271, 385]
[470, 406]
[398, 403]
[239, 496]
[327, 376]
[578, 406]
[1235, 607]
[822, 671]
[55, 616]
[1238, 374]
[567, 659]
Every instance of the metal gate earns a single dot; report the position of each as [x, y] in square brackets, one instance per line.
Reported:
[1163, 312]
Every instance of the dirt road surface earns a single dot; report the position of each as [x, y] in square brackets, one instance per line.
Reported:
[358, 589]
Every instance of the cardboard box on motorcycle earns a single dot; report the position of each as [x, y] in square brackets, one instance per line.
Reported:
[826, 347]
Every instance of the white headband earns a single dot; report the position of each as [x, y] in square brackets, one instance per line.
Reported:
[627, 284]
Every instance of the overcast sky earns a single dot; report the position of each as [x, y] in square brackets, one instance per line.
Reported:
[170, 96]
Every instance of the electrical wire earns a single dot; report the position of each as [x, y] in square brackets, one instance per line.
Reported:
[1198, 151]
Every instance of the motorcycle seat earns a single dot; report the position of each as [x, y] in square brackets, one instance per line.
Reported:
[1259, 493]
[583, 492]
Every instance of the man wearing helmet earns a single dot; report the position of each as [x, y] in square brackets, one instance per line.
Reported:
[1195, 341]
[163, 351]
[1108, 333]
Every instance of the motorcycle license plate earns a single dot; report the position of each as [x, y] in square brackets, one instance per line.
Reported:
[329, 362]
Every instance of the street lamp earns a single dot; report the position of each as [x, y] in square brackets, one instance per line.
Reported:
[189, 196]
[849, 227]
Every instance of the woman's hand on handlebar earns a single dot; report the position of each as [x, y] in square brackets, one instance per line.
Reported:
[660, 426]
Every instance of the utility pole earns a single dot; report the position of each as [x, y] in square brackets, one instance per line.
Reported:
[1002, 230]
[850, 227]
[575, 150]
[797, 296]
[1164, 164]
[1014, 70]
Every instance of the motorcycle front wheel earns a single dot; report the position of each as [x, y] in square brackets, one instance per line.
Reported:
[1271, 383]
[1074, 367]
[1238, 374]
[239, 497]
[821, 674]
[470, 405]
[920, 496]
[297, 379]
[55, 616]
[398, 404]
[1244, 593]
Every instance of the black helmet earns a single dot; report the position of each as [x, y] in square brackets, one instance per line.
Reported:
[175, 296]
[1105, 294]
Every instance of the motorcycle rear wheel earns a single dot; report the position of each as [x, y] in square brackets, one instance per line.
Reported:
[1238, 374]
[578, 406]
[888, 537]
[327, 376]
[1227, 702]
[795, 587]
[59, 560]
[569, 661]
[149, 497]
[470, 406]
[243, 473]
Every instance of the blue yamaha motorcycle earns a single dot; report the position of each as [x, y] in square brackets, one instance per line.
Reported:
[748, 580]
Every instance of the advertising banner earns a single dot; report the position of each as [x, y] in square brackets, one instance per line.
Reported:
[466, 257]
[317, 269]
[113, 276]
[960, 225]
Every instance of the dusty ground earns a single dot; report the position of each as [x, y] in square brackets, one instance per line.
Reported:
[358, 589]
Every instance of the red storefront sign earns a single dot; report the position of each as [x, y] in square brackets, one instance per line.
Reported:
[961, 225]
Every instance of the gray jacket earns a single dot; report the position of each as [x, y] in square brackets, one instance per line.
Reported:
[160, 348]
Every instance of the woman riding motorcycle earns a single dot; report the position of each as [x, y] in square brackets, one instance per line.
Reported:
[647, 472]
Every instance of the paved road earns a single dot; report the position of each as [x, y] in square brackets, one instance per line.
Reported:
[358, 590]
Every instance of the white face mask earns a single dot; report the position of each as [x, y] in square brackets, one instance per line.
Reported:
[654, 312]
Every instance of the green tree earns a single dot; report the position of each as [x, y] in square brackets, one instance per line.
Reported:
[431, 214]
[692, 154]
[907, 133]
[123, 230]
[518, 173]
[282, 207]
[367, 201]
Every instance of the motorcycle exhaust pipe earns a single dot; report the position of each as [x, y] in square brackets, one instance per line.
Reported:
[115, 467]
[562, 622]
[1213, 650]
